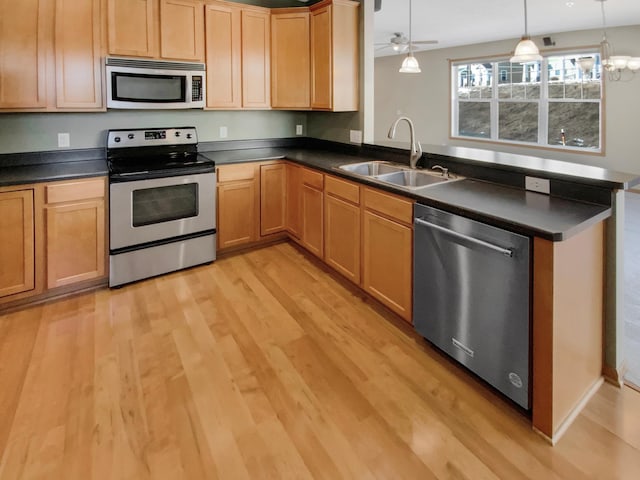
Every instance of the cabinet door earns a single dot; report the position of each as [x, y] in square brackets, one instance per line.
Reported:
[77, 52]
[223, 56]
[17, 255]
[312, 220]
[272, 198]
[237, 213]
[256, 84]
[182, 30]
[75, 242]
[132, 27]
[22, 54]
[387, 262]
[293, 204]
[321, 58]
[342, 237]
[290, 60]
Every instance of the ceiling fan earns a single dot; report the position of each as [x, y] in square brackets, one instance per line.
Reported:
[399, 43]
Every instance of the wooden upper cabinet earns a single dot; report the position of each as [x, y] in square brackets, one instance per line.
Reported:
[77, 54]
[256, 64]
[335, 55]
[223, 55]
[290, 67]
[182, 30]
[17, 255]
[23, 50]
[132, 27]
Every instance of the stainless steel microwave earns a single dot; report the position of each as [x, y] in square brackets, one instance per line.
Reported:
[134, 83]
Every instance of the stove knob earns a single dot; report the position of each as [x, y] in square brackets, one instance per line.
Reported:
[189, 135]
[117, 139]
[177, 134]
[130, 136]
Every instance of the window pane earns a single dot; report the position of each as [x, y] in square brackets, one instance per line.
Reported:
[518, 121]
[574, 76]
[519, 81]
[580, 122]
[474, 80]
[474, 119]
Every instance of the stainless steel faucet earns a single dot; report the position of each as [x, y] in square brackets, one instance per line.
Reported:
[416, 148]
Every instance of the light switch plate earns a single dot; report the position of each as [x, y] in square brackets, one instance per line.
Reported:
[535, 184]
[64, 140]
[355, 136]
[298, 129]
[224, 132]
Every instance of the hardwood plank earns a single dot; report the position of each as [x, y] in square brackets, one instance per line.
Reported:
[267, 365]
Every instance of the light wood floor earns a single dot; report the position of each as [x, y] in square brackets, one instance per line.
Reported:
[263, 365]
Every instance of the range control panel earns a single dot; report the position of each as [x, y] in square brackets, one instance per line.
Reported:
[150, 137]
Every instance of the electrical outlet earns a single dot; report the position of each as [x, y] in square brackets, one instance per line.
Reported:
[64, 140]
[298, 129]
[224, 133]
[535, 184]
[355, 136]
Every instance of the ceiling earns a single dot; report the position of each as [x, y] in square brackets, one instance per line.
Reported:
[465, 22]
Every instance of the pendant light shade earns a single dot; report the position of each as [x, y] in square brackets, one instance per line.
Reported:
[410, 63]
[526, 50]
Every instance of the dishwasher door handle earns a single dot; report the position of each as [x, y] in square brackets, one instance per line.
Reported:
[504, 251]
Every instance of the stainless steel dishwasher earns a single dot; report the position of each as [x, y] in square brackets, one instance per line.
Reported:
[471, 297]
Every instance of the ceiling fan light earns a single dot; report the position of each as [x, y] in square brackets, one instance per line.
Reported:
[526, 51]
[410, 65]
[400, 47]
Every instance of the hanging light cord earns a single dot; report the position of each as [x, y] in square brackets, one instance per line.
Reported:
[526, 31]
[410, 17]
[604, 22]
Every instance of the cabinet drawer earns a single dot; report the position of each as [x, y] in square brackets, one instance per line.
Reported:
[73, 191]
[312, 178]
[394, 207]
[239, 171]
[342, 189]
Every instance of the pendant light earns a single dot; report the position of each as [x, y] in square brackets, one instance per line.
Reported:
[614, 64]
[526, 50]
[410, 63]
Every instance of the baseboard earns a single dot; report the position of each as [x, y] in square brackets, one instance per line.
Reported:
[564, 426]
[615, 376]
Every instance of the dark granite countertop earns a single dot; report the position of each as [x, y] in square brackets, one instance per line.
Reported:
[35, 167]
[529, 213]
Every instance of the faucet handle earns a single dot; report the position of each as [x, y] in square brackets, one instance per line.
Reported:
[444, 170]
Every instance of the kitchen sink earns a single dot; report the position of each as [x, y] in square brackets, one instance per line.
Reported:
[411, 178]
[397, 175]
[370, 169]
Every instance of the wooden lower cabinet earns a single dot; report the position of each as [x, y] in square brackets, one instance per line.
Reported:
[17, 230]
[312, 204]
[75, 231]
[293, 219]
[272, 198]
[342, 239]
[75, 242]
[238, 205]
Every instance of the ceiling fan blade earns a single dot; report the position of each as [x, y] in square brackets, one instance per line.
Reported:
[425, 42]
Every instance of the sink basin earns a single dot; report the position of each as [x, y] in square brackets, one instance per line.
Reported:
[370, 169]
[411, 178]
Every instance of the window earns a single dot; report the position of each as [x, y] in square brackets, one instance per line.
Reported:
[553, 102]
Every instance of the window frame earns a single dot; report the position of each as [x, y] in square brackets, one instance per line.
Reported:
[543, 103]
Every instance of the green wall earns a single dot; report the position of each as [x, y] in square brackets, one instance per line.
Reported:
[31, 132]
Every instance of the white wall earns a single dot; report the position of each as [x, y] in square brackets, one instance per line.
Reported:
[425, 98]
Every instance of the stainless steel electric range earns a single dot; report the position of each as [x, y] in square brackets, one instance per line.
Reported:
[162, 204]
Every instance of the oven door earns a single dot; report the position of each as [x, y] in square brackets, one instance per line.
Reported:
[151, 210]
